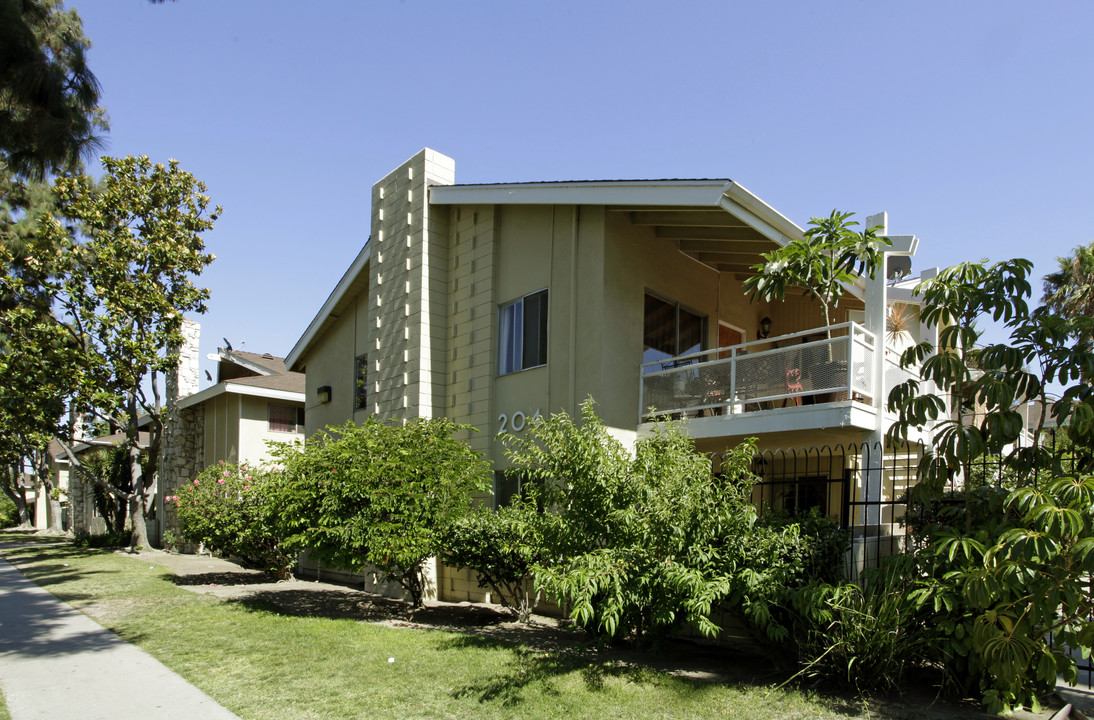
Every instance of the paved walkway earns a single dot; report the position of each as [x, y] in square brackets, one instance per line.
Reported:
[55, 662]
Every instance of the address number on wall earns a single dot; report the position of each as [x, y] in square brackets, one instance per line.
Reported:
[515, 422]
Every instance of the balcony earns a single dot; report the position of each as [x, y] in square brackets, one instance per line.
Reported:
[795, 376]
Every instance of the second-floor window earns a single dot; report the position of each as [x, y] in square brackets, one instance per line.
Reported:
[360, 383]
[285, 418]
[522, 333]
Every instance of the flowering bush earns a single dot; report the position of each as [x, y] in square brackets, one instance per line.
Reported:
[227, 508]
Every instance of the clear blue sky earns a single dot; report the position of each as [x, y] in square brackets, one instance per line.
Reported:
[969, 122]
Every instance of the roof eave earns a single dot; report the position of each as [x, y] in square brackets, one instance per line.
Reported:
[332, 301]
[680, 193]
[231, 388]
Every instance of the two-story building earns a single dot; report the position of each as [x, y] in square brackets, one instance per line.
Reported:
[493, 304]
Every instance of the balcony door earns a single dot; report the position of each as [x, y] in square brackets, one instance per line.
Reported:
[727, 337]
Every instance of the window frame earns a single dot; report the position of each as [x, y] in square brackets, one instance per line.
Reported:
[677, 308]
[296, 412]
[514, 359]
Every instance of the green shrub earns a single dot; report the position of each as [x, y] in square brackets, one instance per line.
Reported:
[119, 538]
[501, 548]
[1007, 596]
[378, 494]
[861, 638]
[228, 509]
[636, 543]
[812, 549]
[9, 514]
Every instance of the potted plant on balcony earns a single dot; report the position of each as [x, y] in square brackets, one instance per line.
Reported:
[823, 262]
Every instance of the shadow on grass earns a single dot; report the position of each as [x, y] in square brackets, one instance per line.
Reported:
[356, 605]
[241, 577]
[538, 671]
[541, 658]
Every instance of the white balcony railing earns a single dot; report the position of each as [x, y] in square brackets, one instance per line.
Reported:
[781, 371]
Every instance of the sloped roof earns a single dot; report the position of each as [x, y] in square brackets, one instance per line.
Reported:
[57, 451]
[287, 381]
[260, 374]
[274, 365]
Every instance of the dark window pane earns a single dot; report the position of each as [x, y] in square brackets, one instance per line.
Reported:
[360, 383]
[659, 330]
[282, 418]
[691, 333]
[535, 330]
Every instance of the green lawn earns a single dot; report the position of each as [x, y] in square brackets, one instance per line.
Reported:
[262, 664]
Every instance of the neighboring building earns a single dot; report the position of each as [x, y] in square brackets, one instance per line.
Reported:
[80, 510]
[255, 401]
[492, 304]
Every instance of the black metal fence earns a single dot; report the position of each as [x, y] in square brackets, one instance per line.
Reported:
[863, 488]
[860, 486]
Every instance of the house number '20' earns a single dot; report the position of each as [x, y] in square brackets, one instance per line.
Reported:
[515, 422]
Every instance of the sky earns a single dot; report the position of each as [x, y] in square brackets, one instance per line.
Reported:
[969, 122]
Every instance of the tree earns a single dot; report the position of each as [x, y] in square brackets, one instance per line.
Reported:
[986, 385]
[114, 269]
[378, 495]
[823, 262]
[1070, 289]
[49, 112]
[1003, 570]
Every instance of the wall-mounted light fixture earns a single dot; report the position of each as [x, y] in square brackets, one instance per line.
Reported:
[765, 328]
[323, 394]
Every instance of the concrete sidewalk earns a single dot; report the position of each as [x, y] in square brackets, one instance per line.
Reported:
[56, 662]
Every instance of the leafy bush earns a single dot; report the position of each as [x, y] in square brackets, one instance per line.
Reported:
[860, 637]
[634, 544]
[228, 509]
[502, 548]
[1006, 597]
[119, 538]
[9, 514]
[812, 549]
[111, 465]
[378, 494]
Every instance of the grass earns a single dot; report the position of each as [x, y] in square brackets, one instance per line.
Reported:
[261, 664]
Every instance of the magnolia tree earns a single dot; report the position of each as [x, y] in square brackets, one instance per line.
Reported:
[103, 283]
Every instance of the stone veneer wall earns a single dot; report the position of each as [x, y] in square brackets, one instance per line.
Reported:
[183, 449]
[81, 502]
[184, 461]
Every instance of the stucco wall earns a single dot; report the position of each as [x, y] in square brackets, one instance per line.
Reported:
[254, 428]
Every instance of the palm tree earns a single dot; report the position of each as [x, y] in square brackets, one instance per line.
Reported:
[1070, 290]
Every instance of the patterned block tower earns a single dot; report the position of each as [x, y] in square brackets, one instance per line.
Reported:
[408, 281]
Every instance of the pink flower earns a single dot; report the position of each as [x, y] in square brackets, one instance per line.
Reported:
[225, 473]
[246, 487]
[197, 482]
[221, 481]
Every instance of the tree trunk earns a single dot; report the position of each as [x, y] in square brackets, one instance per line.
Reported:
[137, 501]
[15, 494]
[53, 505]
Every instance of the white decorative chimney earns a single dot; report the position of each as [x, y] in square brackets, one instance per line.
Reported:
[187, 374]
